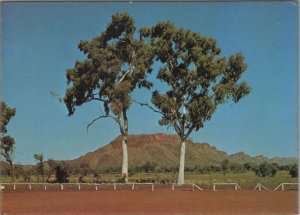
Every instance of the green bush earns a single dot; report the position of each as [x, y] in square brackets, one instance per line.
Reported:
[266, 169]
[294, 171]
[61, 174]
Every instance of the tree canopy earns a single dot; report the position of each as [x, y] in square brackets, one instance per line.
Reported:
[116, 64]
[198, 78]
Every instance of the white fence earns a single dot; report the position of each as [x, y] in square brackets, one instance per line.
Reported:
[259, 187]
[193, 186]
[236, 186]
[283, 184]
[79, 185]
[133, 186]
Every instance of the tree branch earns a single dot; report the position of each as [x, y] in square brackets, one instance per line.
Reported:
[100, 117]
[190, 131]
[149, 106]
[131, 67]
[96, 99]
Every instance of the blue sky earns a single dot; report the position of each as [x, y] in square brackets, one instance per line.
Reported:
[39, 42]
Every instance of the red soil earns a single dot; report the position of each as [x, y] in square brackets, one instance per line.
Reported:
[161, 201]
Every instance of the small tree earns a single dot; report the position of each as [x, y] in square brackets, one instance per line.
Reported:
[116, 65]
[51, 169]
[247, 167]
[225, 166]
[85, 168]
[294, 171]
[40, 165]
[7, 142]
[198, 80]
[26, 174]
[149, 166]
[61, 174]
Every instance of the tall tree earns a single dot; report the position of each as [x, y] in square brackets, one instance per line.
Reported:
[198, 79]
[7, 142]
[40, 164]
[116, 64]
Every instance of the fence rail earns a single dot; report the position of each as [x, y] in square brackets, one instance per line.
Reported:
[133, 185]
[282, 185]
[77, 184]
[193, 186]
[236, 186]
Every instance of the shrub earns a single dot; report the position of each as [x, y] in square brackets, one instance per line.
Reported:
[294, 171]
[61, 174]
[225, 166]
[266, 169]
[148, 166]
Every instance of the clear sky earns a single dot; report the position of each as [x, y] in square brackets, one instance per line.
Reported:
[39, 42]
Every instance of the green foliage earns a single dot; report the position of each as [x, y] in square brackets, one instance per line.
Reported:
[247, 167]
[148, 167]
[225, 166]
[294, 171]
[40, 165]
[6, 113]
[6, 142]
[51, 169]
[198, 79]
[266, 169]
[85, 168]
[116, 64]
[61, 174]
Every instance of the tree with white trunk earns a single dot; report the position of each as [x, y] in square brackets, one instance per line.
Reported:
[196, 77]
[116, 64]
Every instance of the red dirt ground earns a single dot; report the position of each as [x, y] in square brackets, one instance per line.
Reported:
[146, 202]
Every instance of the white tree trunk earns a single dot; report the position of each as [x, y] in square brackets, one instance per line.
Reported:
[181, 164]
[125, 159]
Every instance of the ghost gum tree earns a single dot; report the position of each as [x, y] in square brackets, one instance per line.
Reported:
[6, 141]
[116, 64]
[198, 79]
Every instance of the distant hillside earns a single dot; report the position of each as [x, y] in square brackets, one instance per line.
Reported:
[164, 150]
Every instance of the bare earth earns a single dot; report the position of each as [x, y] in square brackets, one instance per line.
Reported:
[162, 201]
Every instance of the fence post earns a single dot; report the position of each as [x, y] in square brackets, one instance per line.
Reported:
[152, 187]
[173, 187]
[214, 187]
[29, 186]
[14, 186]
[96, 187]
[62, 187]
[78, 186]
[132, 187]
[235, 187]
[45, 187]
[282, 187]
[115, 187]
